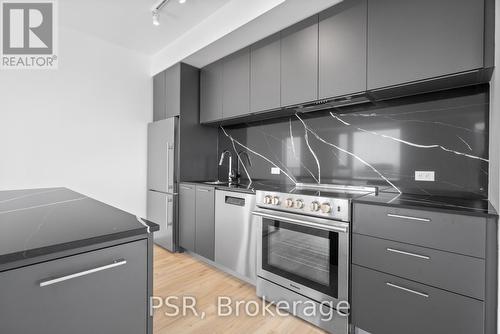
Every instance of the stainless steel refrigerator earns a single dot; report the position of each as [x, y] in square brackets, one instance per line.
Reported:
[163, 180]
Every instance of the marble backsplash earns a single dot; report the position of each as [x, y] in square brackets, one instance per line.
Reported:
[379, 144]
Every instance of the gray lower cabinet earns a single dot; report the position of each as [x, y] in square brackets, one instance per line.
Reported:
[444, 231]
[211, 92]
[265, 74]
[205, 222]
[416, 40]
[187, 216]
[445, 270]
[236, 83]
[421, 271]
[197, 219]
[299, 62]
[109, 295]
[342, 49]
[386, 304]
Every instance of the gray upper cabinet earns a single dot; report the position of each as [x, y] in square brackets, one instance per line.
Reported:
[173, 90]
[159, 97]
[391, 48]
[265, 74]
[205, 221]
[187, 216]
[211, 93]
[236, 83]
[415, 40]
[342, 49]
[167, 93]
[299, 62]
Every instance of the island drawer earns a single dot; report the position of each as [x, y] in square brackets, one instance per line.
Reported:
[102, 291]
[386, 304]
[454, 272]
[449, 232]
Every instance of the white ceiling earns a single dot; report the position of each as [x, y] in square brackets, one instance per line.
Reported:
[272, 21]
[197, 32]
[128, 23]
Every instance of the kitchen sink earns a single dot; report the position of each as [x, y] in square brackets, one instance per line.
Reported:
[216, 183]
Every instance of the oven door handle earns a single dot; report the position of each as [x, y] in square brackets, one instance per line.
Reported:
[291, 220]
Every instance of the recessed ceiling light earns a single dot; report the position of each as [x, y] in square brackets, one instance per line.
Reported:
[182, 1]
[156, 18]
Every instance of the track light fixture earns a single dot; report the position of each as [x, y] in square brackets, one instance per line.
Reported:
[156, 18]
[156, 10]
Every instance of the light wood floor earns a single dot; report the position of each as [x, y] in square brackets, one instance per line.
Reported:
[182, 275]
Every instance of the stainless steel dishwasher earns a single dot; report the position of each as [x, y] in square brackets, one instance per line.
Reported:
[235, 239]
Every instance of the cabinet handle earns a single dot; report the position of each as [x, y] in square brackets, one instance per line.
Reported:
[408, 253]
[187, 188]
[205, 190]
[409, 217]
[421, 294]
[82, 273]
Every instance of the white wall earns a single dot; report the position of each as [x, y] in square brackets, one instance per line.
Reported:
[229, 17]
[82, 126]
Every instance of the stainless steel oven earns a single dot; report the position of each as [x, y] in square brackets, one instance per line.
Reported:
[308, 255]
[303, 251]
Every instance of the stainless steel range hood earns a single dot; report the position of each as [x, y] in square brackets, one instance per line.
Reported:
[332, 103]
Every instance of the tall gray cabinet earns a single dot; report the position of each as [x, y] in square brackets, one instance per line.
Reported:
[188, 141]
[177, 94]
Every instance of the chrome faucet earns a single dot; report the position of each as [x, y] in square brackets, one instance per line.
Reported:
[240, 160]
[231, 173]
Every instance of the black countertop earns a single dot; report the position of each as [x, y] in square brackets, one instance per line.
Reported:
[35, 222]
[472, 207]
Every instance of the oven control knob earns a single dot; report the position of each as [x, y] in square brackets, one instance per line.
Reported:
[267, 199]
[326, 208]
[315, 206]
[299, 204]
[289, 203]
[276, 200]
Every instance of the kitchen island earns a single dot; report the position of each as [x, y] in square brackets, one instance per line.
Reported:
[71, 264]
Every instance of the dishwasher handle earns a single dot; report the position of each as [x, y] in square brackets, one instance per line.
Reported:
[232, 200]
